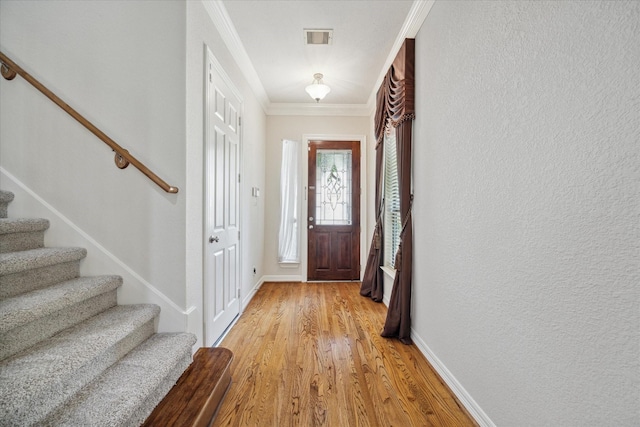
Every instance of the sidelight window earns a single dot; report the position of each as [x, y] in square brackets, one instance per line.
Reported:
[289, 233]
[392, 220]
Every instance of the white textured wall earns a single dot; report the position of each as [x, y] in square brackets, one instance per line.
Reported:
[121, 64]
[294, 127]
[527, 207]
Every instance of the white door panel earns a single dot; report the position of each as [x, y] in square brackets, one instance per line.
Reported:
[222, 142]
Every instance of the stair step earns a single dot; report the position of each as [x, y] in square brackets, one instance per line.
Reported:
[39, 380]
[29, 318]
[26, 271]
[69, 356]
[5, 198]
[21, 234]
[128, 391]
[17, 262]
[196, 397]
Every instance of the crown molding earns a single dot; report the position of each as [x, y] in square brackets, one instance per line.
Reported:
[318, 109]
[415, 18]
[417, 14]
[222, 21]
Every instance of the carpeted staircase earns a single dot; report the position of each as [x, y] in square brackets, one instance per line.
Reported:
[69, 355]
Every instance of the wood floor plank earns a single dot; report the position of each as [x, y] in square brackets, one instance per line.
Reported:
[311, 354]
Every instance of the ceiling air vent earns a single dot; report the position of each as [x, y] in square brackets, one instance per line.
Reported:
[318, 36]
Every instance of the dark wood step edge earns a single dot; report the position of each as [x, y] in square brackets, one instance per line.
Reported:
[196, 397]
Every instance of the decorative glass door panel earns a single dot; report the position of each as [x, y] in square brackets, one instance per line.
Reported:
[334, 187]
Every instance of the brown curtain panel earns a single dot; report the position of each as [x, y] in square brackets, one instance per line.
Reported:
[372, 281]
[395, 108]
[398, 323]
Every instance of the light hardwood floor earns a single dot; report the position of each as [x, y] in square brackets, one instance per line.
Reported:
[310, 354]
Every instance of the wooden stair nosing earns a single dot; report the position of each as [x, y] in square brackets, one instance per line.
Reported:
[197, 395]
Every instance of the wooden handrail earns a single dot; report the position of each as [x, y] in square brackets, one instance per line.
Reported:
[123, 158]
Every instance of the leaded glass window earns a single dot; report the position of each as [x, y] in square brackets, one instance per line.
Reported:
[333, 187]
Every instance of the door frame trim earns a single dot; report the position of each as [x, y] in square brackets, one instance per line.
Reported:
[304, 160]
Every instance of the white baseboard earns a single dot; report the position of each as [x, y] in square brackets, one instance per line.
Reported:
[282, 278]
[463, 396]
[247, 299]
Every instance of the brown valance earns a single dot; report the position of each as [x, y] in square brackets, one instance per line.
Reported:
[396, 97]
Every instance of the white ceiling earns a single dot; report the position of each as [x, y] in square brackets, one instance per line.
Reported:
[267, 39]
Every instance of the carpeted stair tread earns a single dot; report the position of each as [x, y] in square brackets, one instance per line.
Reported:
[120, 395]
[16, 262]
[22, 225]
[31, 317]
[28, 307]
[38, 380]
[22, 234]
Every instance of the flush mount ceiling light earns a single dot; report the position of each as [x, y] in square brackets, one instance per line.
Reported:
[317, 90]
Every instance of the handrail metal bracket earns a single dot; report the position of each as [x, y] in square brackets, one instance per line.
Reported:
[7, 72]
[121, 162]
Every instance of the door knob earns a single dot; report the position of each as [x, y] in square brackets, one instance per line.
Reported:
[214, 239]
[310, 218]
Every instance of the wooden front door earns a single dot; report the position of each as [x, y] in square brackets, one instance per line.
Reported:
[334, 210]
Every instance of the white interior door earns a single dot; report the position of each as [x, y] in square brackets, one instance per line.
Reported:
[222, 239]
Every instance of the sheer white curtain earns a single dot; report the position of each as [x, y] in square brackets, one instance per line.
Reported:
[289, 235]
